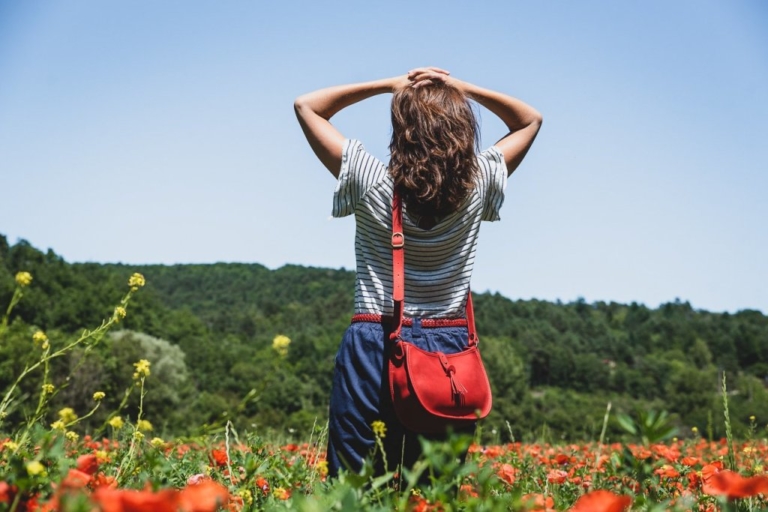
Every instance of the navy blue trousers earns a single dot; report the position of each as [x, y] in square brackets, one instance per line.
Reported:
[360, 395]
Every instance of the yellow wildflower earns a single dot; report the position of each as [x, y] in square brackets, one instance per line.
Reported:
[280, 344]
[67, 415]
[136, 281]
[72, 436]
[40, 338]
[35, 468]
[119, 313]
[379, 429]
[752, 419]
[10, 445]
[116, 422]
[322, 467]
[247, 496]
[23, 279]
[281, 493]
[144, 426]
[58, 425]
[142, 369]
[99, 396]
[138, 435]
[48, 389]
[102, 455]
[695, 430]
[157, 442]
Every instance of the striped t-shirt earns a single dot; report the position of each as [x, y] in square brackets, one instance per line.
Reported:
[438, 261]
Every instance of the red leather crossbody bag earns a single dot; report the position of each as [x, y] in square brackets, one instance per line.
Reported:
[432, 391]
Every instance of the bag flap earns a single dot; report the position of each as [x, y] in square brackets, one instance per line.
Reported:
[433, 387]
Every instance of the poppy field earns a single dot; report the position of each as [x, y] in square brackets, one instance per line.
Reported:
[48, 462]
[135, 473]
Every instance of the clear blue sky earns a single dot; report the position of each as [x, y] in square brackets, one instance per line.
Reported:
[163, 132]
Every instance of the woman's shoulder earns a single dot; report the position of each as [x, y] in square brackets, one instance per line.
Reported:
[359, 161]
[491, 182]
[361, 174]
[492, 155]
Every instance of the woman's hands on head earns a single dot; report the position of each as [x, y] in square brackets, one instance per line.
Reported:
[419, 77]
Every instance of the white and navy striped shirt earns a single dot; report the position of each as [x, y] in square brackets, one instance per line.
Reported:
[438, 261]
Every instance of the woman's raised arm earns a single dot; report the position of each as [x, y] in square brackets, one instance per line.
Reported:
[315, 109]
[522, 120]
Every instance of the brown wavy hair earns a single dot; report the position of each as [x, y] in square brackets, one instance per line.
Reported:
[433, 147]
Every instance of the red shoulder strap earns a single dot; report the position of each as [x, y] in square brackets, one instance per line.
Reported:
[398, 276]
[398, 265]
[473, 339]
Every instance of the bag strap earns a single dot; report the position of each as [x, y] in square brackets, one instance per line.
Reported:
[398, 276]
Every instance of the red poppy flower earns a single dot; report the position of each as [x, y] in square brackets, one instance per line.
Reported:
[641, 453]
[557, 476]
[693, 480]
[88, 464]
[207, 496]
[419, 504]
[667, 471]
[102, 480]
[120, 500]
[51, 505]
[7, 492]
[690, 461]
[602, 501]
[734, 486]
[475, 448]
[538, 503]
[75, 479]
[492, 452]
[262, 484]
[507, 473]
[219, 457]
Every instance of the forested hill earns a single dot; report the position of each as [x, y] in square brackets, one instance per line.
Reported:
[209, 330]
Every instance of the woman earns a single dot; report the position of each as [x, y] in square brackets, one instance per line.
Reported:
[447, 189]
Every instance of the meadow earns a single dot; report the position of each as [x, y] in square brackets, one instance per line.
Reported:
[122, 466]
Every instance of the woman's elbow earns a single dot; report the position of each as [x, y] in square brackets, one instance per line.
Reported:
[537, 118]
[299, 103]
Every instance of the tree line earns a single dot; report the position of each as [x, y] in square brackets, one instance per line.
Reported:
[209, 332]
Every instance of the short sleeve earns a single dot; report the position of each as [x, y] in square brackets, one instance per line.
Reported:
[359, 172]
[492, 182]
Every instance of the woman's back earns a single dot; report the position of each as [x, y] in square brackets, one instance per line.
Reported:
[439, 260]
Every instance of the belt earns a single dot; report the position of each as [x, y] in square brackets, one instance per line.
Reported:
[425, 322]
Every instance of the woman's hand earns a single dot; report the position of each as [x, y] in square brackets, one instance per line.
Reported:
[399, 83]
[420, 77]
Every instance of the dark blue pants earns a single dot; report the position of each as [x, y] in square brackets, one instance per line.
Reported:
[360, 395]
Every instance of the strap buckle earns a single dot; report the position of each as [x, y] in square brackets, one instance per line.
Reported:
[398, 240]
